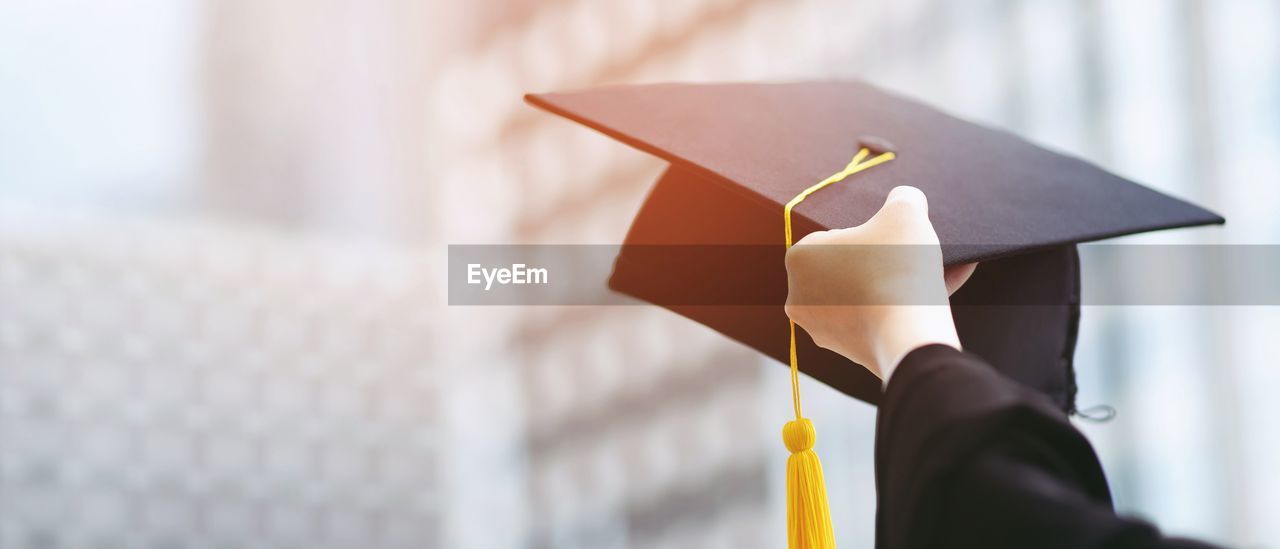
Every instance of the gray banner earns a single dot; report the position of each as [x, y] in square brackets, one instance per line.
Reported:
[1111, 274]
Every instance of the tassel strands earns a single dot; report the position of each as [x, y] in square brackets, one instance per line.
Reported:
[808, 517]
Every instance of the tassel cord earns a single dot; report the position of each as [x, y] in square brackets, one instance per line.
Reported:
[859, 163]
[808, 517]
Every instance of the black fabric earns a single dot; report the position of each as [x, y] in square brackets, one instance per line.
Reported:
[1022, 314]
[967, 458]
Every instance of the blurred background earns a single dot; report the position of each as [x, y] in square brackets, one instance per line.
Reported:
[223, 225]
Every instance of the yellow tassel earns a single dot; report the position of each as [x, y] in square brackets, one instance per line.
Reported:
[808, 518]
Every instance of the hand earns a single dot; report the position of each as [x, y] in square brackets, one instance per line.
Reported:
[877, 291]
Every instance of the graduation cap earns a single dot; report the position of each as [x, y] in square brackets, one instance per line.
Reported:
[740, 153]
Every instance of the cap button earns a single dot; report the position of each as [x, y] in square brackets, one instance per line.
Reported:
[878, 145]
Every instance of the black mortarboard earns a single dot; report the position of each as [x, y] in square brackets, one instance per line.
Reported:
[739, 152]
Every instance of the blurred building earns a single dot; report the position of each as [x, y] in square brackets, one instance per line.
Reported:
[222, 234]
[185, 384]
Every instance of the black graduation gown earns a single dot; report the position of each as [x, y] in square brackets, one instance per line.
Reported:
[966, 457]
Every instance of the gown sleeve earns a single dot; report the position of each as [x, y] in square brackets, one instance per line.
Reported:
[968, 458]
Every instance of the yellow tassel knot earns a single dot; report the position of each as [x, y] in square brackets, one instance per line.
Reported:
[799, 435]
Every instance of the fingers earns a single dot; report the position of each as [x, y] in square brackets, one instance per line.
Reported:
[956, 275]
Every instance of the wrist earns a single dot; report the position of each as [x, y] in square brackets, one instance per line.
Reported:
[909, 327]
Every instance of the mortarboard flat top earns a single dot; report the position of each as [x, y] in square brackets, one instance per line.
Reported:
[739, 152]
[991, 193]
